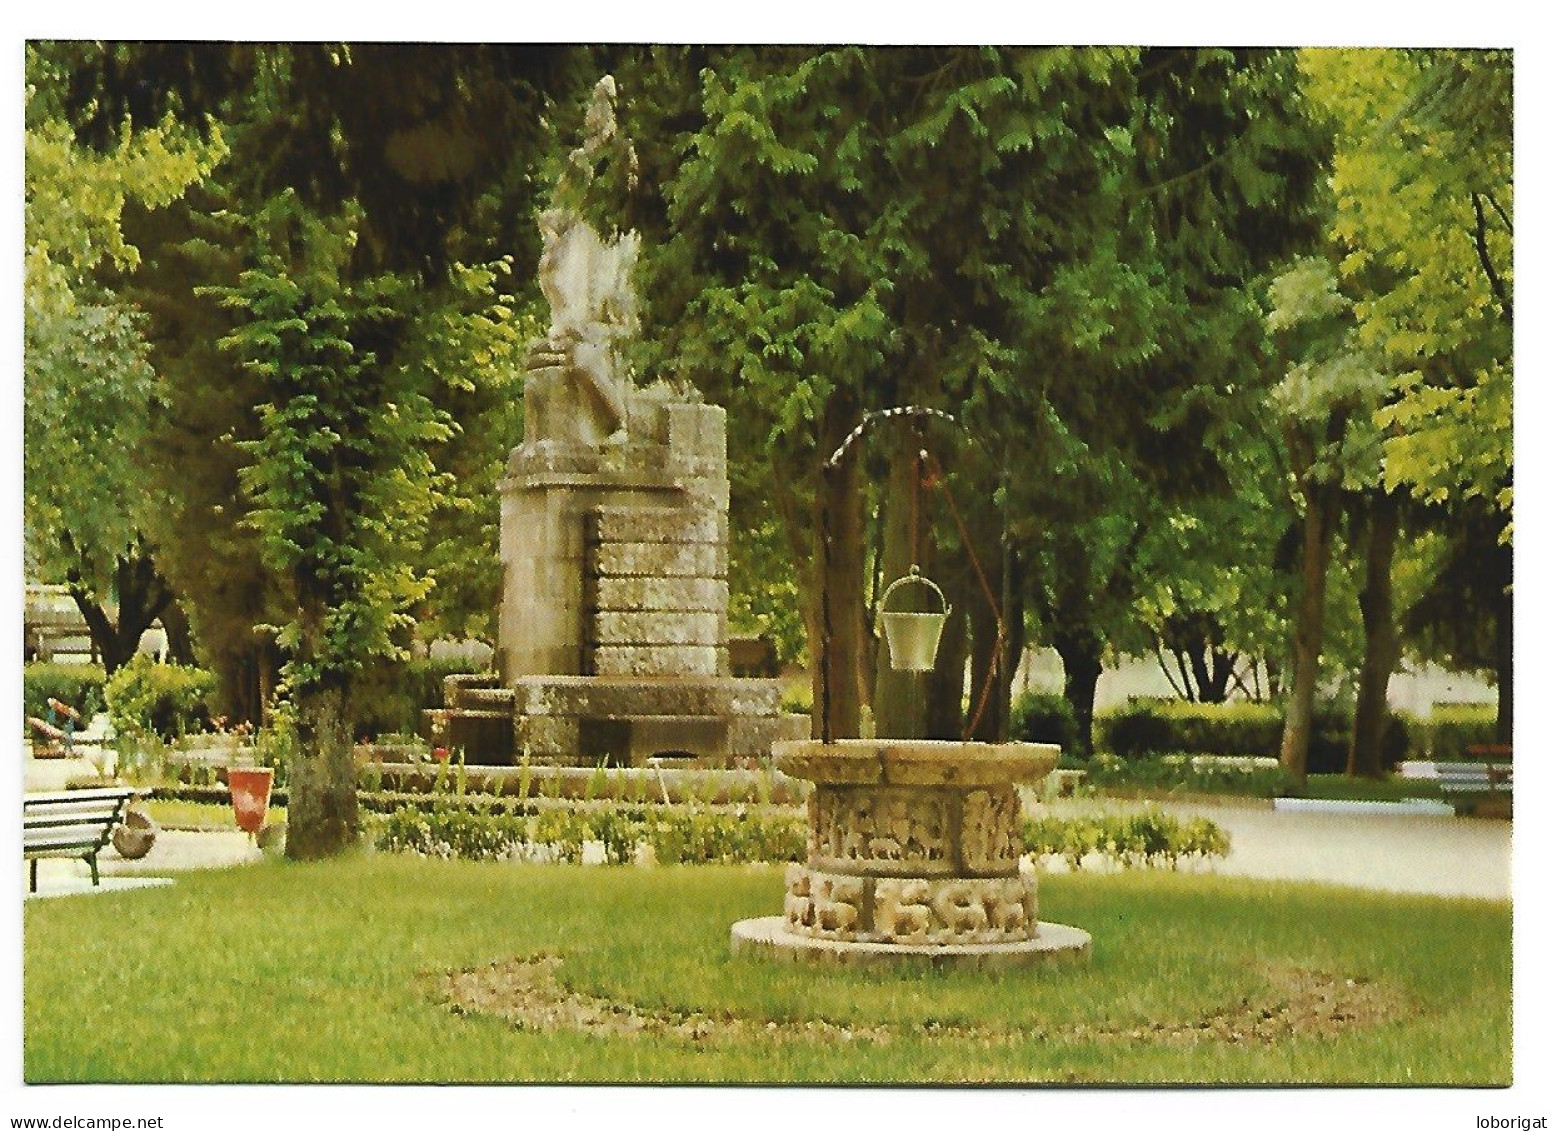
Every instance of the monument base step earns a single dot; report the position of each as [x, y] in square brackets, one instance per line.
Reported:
[624, 721]
[767, 938]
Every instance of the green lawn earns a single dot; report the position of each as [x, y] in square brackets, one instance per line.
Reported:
[180, 814]
[334, 972]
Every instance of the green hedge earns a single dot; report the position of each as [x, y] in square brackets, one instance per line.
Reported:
[683, 836]
[1147, 727]
[1450, 728]
[79, 685]
[454, 828]
[1154, 774]
[169, 700]
[1038, 716]
[1149, 838]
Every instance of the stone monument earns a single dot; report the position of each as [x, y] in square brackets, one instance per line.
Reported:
[913, 858]
[612, 638]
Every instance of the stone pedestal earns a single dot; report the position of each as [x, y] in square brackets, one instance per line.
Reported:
[913, 856]
[613, 632]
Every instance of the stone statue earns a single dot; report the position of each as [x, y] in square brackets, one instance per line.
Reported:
[587, 282]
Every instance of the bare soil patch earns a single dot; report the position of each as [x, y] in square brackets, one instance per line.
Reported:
[527, 993]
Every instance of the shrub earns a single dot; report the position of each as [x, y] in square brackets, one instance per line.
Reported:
[1042, 717]
[699, 836]
[796, 700]
[1149, 838]
[274, 746]
[1148, 727]
[1450, 728]
[450, 831]
[1331, 737]
[1228, 729]
[446, 827]
[1137, 729]
[1189, 773]
[169, 700]
[79, 685]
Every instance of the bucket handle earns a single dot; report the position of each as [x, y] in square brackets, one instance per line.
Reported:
[913, 574]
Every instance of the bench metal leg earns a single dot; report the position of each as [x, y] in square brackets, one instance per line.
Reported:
[92, 863]
[34, 869]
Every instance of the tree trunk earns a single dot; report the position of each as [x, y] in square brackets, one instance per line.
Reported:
[142, 596]
[322, 815]
[1016, 637]
[248, 675]
[1504, 637]
[985, 726]
[838, 680]
[900, 703]
[1274, 673]
[181, 643]
[1381, 647]
[1082, 654]
[987, 608]
[1308, 629]
[948, 678]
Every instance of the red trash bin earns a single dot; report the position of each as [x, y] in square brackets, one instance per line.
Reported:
[250, 796]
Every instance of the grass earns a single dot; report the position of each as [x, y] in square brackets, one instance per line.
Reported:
[175, 813]
[330, 972]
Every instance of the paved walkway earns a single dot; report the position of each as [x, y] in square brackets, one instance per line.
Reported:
[1428, 855]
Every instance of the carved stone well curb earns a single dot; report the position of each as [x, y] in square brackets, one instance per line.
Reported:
[913, 857]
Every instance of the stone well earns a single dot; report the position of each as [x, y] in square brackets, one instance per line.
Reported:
[912, 857]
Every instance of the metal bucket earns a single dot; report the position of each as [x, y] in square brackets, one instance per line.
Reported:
[912, 638]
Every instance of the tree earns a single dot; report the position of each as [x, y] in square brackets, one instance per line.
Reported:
[1211, 598]
[1220, 187]
[1324, 402]
[431, 147]
[341, 485]
[1016, 235]
[1381, 521]
[89, 382]
[1423, 183]
[861, 229]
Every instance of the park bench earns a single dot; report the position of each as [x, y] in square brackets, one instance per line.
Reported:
[73, 823]
[1486, 775]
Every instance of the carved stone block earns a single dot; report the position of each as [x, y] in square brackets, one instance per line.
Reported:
[882, 831]
[953, 911]
[657, 524]
[824, 906]
[656, 660]
[991, 841]
[652, 594]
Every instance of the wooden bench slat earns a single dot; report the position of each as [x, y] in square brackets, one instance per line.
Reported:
[74, 823]
[74, 847]
[39, 814]
[86, 834]
[73, 828]
[78, 794]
